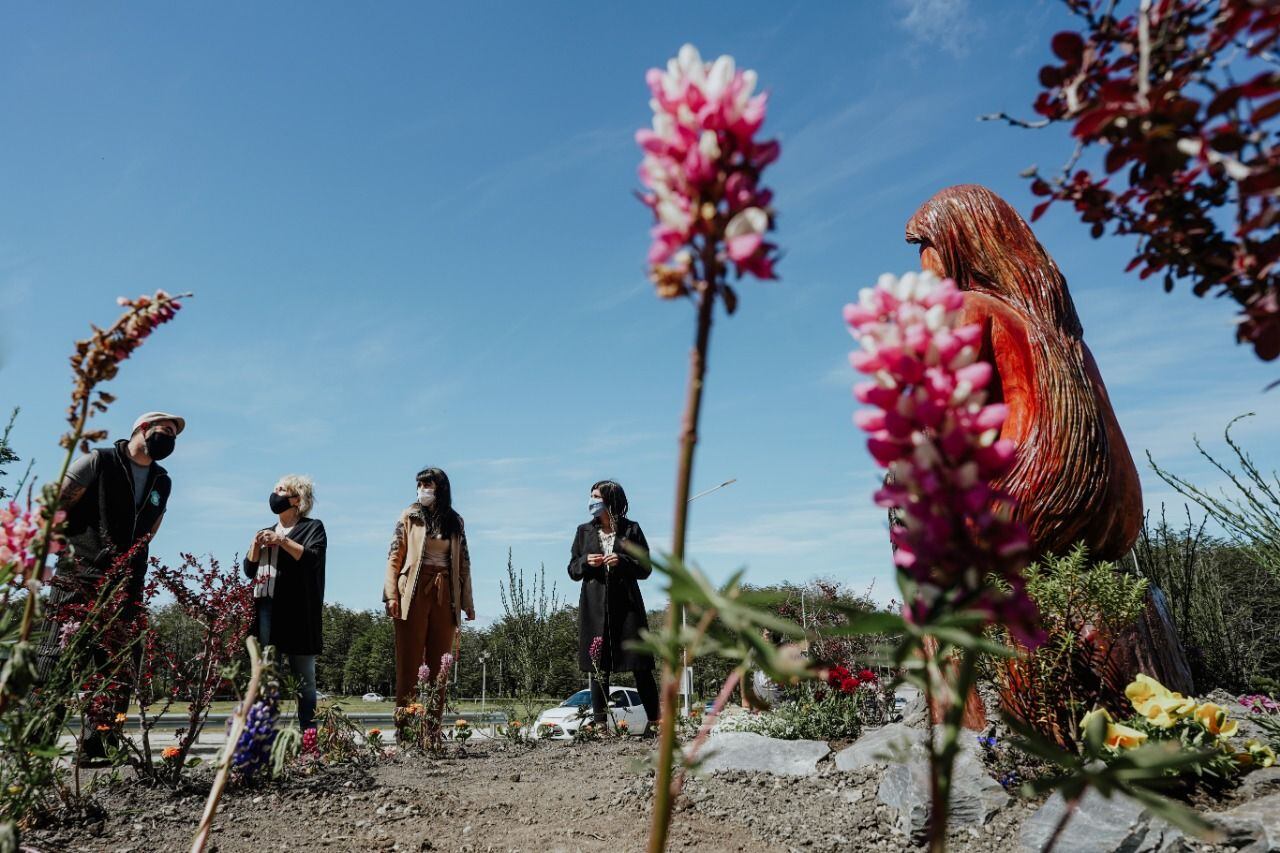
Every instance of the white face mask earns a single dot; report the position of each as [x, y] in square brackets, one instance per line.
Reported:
[426, 496]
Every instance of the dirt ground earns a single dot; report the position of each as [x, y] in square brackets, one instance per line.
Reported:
[502, 797]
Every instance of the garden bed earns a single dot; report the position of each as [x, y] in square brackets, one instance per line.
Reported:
[502, 797]
[506, 797]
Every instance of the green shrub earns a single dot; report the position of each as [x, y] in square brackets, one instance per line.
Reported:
[1084, 606]
[833, 717]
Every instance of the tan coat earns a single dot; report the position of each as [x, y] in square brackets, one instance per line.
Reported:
[404, 561]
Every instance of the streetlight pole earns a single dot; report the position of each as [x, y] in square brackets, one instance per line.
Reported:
[686, 677]
[484, 684]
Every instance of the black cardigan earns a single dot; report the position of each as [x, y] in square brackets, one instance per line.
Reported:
[610, 605]
[298, 603]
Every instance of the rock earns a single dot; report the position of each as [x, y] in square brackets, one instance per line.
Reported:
[1099, 823]
[891, 744]
[1253, 827]
[975, 796]
[752, 752]
[912, 704]
[1260, 782]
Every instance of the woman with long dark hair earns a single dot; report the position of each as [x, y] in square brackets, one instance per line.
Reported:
[610, 558]
[428, 582]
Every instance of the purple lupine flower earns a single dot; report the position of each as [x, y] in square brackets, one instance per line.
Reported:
[424, 674]
[253, 749]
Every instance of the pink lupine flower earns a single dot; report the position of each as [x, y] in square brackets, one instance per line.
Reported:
[446, 662]
[702, 162]
[66, 632]
[424, 674]
[310, 742]
[595, 649]
[932, 428]
[20, 538]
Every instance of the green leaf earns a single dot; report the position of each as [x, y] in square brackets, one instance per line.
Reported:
[1178, 815]
[962, 639]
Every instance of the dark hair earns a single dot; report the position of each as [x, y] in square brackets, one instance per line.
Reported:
[440, 516]
[615, 499]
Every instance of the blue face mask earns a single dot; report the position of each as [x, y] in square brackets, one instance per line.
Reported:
[595, 506]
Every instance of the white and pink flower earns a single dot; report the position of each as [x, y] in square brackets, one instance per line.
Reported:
[21, 532]
[702, 162]
[932, 427]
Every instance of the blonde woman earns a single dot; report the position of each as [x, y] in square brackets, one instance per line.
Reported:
[428, 583]
[286, 563]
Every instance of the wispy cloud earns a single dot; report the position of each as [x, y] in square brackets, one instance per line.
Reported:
[947, 24]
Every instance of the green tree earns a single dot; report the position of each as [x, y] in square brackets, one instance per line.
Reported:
[341, 627]
[526, 633]
[7, 456]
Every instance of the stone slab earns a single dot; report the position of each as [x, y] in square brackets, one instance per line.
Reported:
[750, 752]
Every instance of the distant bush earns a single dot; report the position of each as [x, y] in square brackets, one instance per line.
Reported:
[1224, 600]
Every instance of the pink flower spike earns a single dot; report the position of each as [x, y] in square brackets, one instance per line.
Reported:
[956, 529]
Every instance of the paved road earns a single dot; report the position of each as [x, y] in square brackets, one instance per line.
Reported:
[214, 734]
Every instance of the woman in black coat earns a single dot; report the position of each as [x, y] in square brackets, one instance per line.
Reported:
[610, 607]
[286, 563]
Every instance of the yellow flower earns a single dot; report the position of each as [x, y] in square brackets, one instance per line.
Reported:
[1123, 737]
[1142, 689]
[1161, 706]
[1092, 715]
[1117, 736]
[1257, 754]
[121, 719]
[15, 790]
[1214, 719]
[460, 724]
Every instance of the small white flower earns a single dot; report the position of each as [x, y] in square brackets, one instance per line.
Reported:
[719, 77]
[709, 145]
[752, 220]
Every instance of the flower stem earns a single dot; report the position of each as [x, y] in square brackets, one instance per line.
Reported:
[238, 721]
[942, 756]
[663, 800]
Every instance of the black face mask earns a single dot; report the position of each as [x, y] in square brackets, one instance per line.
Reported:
[159, 445]
[280, 503]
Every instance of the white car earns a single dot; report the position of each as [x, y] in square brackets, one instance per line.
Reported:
[562, 721]
[373, 697]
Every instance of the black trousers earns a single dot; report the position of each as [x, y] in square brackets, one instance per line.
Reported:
[645, 686]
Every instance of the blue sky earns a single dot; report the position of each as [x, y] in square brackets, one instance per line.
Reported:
[412, 237]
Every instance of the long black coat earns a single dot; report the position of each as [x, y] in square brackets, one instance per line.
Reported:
[297, 607]
[610, 605]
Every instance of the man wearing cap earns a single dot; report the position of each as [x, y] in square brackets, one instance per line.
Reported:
[115, 498]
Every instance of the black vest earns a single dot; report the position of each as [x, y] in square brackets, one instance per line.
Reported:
[105, 523]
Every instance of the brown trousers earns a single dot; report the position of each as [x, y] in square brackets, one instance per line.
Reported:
[425, 635]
